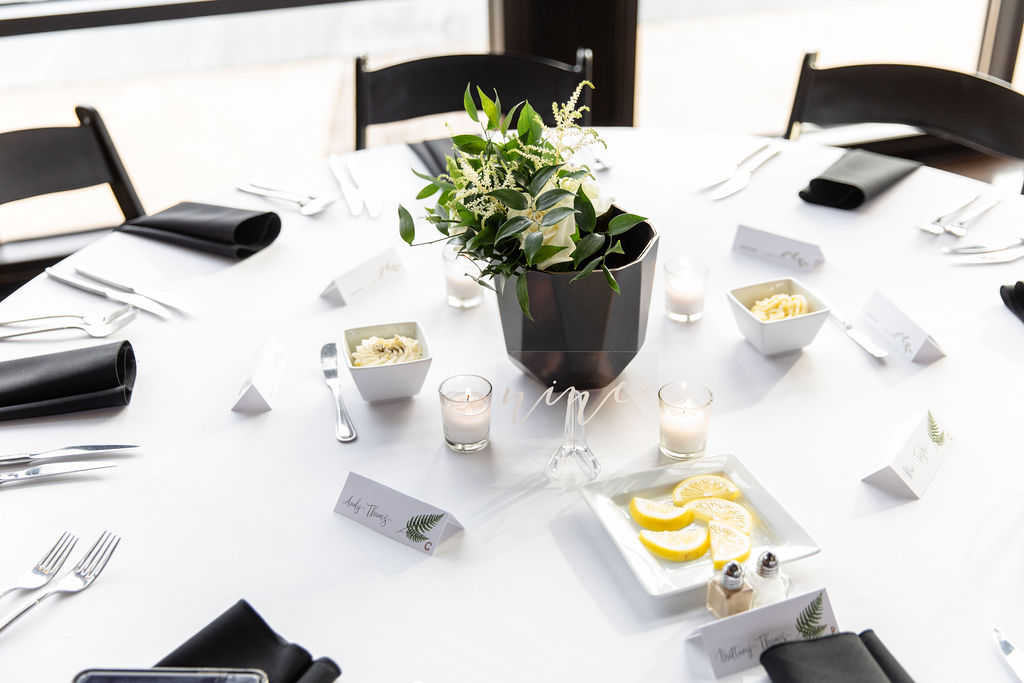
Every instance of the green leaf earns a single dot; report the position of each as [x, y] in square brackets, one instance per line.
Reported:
[586, 220]
[534, 241]
[484, 238]
[546, 252]
[427, 191]
[808, 622]
[552, 197]
[443, 184]
[406, 226]
[526, 115]
[616, 248]
[417, 528]
[510, 198]
[523, 295]
[556, 215]
[469, 144]
[587, 270]
[536, 130]
[587, 247]
[513, 226]
[541, 177]
[623, 222]
[490, 109]
[611, 279]
[469, 104]
[574, 175]
[508, 118]
[934, 433]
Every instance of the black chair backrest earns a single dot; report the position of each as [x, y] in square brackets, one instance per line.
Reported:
[976, 111]
[39, 161]
[435, 85]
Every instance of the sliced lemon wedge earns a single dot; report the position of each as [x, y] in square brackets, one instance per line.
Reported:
[659, 516]
[727, 543]
[722, 510]
[704, 486]
[678, 546]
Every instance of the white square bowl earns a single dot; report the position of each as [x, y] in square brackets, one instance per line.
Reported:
[777, 336]
[387, 382]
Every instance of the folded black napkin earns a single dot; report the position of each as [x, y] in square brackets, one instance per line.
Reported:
[67, 382]
[240, 638]
[1013, 297]
[855, 178]
[842, 658]
[432, 153]
[221, 230]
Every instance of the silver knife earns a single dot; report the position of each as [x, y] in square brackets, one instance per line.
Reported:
[371, 199]
[861, 338]
[983, 248]
[348, 188]
[1013, 658]
[113, 294]
[742, 176]
[153, 294]
[40, 471]
[1005, 256]
[59, 453]
[735, 168]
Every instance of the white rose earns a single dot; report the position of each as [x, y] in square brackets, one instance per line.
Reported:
[593, 191]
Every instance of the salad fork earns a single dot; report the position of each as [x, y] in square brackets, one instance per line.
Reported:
[46, 568]
[81, 577]
[109, 324]
[92, 319]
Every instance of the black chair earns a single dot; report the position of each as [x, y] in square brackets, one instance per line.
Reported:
[435, 85]
[976, 111]
[41, 161]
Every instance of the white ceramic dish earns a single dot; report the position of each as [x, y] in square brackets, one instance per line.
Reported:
[773, 526]
[777, 336]
[387, 382]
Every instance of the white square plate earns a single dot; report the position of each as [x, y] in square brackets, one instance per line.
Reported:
[773, 526]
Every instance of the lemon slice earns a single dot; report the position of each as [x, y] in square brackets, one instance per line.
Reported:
[704, 486]
[659, 516]
[722, 510]
[727, 543]
[678, 546]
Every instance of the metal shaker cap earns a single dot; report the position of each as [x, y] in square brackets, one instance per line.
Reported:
[767, 564]
[732, 576]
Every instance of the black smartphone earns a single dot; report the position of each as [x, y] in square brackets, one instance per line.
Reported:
[171, 676]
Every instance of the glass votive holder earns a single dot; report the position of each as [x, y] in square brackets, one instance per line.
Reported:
[685, 281]
[465, 412]
[684, 410]
[463, 290]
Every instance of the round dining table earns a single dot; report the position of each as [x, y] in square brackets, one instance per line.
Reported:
[218, 504]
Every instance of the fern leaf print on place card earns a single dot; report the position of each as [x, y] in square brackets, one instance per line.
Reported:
[417, 528]
[808, 622]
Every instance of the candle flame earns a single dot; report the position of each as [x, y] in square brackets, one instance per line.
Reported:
[468, 395]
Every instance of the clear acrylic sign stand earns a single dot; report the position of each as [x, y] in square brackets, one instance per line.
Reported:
[574, 442]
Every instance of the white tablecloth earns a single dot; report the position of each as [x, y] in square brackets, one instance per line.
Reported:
[221, 505]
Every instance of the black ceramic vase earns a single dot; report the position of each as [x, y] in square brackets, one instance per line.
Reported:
[583, 334]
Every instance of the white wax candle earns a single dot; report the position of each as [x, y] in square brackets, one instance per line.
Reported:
[684, 297]
[460, 285]
[466, 422]
[683, 430]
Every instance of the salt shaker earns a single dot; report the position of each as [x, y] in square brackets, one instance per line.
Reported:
[729, 593]
[770, 584]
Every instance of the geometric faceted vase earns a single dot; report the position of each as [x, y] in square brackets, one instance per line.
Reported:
[583, 334]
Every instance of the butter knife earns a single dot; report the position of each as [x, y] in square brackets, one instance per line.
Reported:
[344, 430]
[983, 248]
[153, 294]
[59, 453]
[41, 471]
[1005, 256]
[743, 174]
[1013, 657]
[348, 188]
[113, 294]
[860, 337]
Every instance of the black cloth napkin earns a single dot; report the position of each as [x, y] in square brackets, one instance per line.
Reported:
[841, 658]
[240, 638]
[855, 178]
[67, 382]
[432, 153]
[221, 230]
[1013, 297]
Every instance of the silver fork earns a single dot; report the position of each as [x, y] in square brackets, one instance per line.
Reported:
[939, 225]
[108, 325]
[93, 319]
[46, 568]
[78, 579]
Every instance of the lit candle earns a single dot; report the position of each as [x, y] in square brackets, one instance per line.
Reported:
[685, 281]
[465, 412]
[683, 416]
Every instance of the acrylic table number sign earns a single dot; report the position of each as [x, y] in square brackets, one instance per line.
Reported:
[574, 441]
[395, 515]
[911, 459]
[735, 643]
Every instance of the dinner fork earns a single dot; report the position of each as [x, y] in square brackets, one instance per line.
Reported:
[938, 225]
[46, 568]
[309, 204]
[109, 324]
[78, 579]
[91, 319]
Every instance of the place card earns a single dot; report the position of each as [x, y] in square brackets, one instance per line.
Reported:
[262, 378]
[395, 515]
[777, 248]
[736, 643]
[904, 334]
[373, 272]
[910, 460]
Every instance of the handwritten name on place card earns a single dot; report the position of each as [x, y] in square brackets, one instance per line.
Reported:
[736, 643]
[773, 247]
[395, 515]
[910, 461]
[373, 272]
[904, 334]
